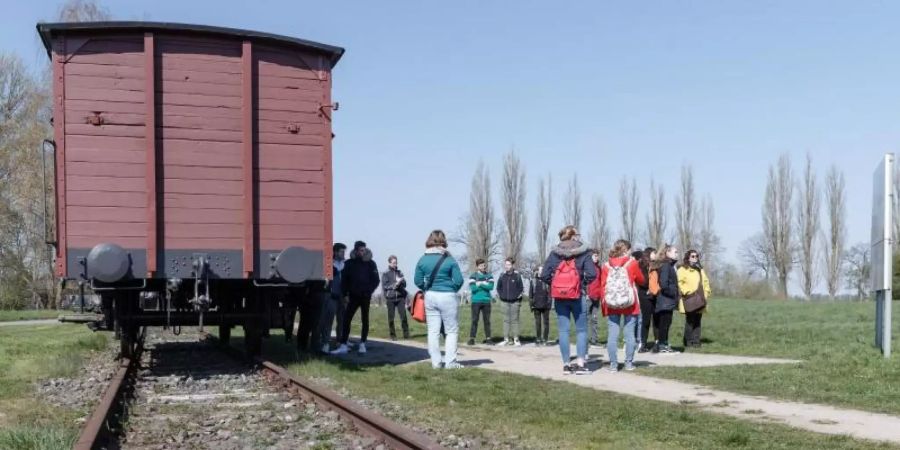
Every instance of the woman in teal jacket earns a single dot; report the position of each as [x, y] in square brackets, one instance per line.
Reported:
[441, 301]
[481, 283]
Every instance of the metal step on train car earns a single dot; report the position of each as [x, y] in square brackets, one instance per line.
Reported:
[193, 178]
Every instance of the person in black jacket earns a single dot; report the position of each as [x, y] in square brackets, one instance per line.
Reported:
[648, 301]
[333, 310]
[539, 297]
[360, 279]
[393, 285]
[667, 299]
[510, 289]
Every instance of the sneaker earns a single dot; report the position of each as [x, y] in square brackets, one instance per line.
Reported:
[471, 341]
[517, 343]
[393, 337]
[550, 343]
[504, 342]
[406, 335]
[581, 370]
[655, 348]
[567, 369]
[453, 365]
[613, 368]
[326, 348]
[341, 350]
[667, 349]
[487, 341]
[538, 343]
[362, 348]
[643, 349]
[629, 367]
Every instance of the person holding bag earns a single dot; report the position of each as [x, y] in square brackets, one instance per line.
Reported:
[694, 290]
[438, 276]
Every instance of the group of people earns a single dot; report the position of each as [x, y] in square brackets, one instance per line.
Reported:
[354, 281]
[636, 291]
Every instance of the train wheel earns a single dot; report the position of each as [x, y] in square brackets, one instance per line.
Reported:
[252, 339]
[224, 334]
[128, 341]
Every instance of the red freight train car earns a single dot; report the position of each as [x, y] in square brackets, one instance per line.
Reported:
[193, 172]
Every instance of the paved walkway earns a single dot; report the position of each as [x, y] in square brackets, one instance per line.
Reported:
[544, 362]
[30, 322]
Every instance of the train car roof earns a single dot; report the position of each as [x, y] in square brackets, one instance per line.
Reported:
[47, 30]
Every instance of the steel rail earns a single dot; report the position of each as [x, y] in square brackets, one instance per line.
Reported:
[367, 422]
[97, 432]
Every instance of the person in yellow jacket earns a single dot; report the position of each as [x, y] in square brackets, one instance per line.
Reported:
[690, 277]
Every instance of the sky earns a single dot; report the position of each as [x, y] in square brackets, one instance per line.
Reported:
[601, 89]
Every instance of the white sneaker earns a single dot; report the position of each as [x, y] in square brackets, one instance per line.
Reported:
[326, 348]
[517, 343]
[453, 365]
[504, 342]
[342, 350]
[362, 348]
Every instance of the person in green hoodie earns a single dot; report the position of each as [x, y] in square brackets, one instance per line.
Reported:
[481, 283]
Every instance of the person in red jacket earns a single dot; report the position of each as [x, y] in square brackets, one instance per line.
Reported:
[619, 301]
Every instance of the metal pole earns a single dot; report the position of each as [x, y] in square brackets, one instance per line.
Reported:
[887, 298]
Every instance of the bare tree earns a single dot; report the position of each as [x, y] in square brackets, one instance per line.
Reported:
[685, 209]
[754, 253]
[479, 233]
[835, 199]
[777, 223]
[629, 199]
[572, 203]
[656, 219]
[859, 270]
[513, 204]
[808, 210]
[708, 240]
[600, 234]
[82, 11]
[26, 263]
[545, 211]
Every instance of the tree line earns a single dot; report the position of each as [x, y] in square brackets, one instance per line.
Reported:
[796, 239]
[26, 260]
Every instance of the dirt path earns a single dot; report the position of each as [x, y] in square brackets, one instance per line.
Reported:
[30, 322]
[544, 362]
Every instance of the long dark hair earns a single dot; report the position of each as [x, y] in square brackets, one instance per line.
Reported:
[645, 257]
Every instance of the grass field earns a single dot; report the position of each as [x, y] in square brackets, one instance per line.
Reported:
[834, 339]
[31, 353]
[513, 411]
[7, 315]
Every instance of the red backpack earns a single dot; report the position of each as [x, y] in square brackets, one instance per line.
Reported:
[594, 287]
[566, 283]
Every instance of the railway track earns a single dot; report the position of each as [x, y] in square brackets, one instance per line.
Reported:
[189, 392]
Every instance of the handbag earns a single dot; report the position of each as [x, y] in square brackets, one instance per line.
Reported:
[696, 300]
[417, 306]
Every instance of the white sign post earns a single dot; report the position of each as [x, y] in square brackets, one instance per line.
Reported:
[882, 271]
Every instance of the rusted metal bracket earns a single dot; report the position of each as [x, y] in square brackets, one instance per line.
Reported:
[96, 119]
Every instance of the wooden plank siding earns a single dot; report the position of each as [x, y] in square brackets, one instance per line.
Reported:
[106, 165]
[202, 143]
[291, 139]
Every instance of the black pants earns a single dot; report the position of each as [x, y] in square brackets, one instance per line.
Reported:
[541, 324]
[394, 307]
[648, 305]
[664, 322]
[485, 310]
[362, 304]
[310, 306]
[692, 329]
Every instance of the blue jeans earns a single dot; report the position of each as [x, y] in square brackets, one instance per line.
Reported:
[566, 309]
[442, 307]
[614, 321]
